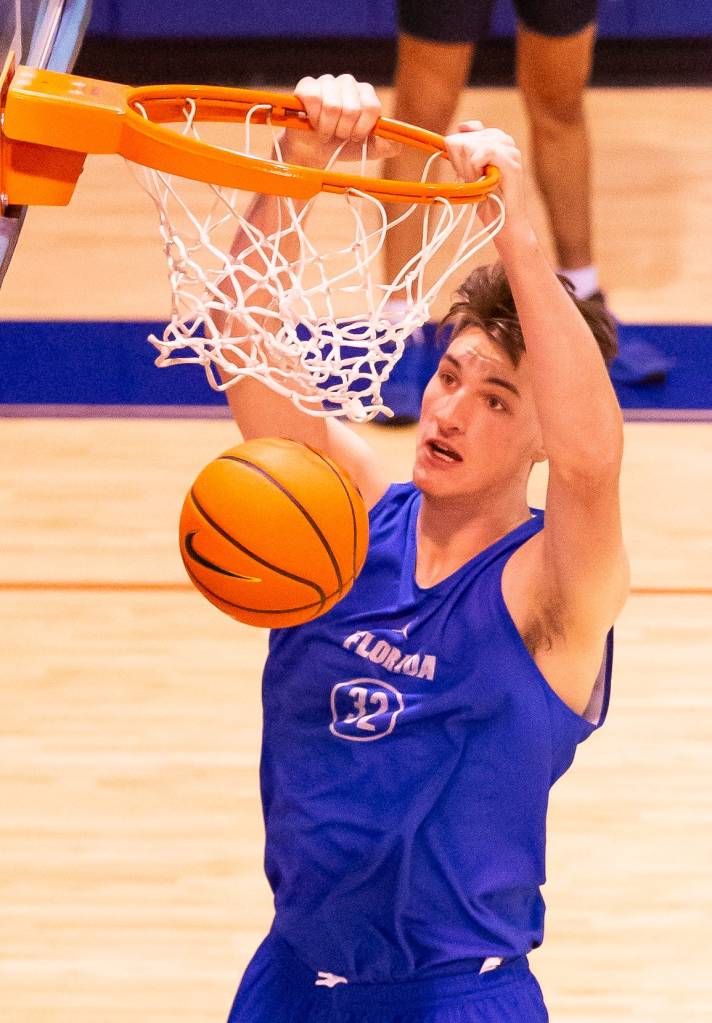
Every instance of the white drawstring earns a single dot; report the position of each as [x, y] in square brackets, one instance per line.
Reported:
[491, 963]
[325, 979]
[329, 979]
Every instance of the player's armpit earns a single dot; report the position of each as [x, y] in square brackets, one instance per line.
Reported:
[565, 587]
[580, 561]
[353, 453]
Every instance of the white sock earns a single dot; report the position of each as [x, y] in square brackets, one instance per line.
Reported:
[584, 280]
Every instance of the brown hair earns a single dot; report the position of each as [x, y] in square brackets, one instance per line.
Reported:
[485, 301]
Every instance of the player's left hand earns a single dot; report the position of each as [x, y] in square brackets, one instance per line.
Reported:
[342, 114]
[470, 149]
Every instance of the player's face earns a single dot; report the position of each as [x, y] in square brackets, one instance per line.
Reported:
[478, 431]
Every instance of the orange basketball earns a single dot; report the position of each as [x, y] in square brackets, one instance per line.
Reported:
[273, 532]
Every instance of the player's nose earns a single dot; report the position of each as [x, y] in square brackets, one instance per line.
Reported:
[451, 413]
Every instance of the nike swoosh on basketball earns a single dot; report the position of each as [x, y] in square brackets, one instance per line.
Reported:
[196, 556]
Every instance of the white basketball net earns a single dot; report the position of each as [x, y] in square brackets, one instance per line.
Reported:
[315, 328]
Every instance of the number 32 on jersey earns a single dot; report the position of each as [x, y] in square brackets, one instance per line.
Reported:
[364, 709]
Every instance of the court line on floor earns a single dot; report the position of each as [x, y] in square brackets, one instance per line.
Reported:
[128, 586]
[19, 411]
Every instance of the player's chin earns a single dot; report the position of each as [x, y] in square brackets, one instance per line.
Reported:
[434, 482]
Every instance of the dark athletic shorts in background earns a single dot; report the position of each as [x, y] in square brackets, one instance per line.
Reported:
[463, 21]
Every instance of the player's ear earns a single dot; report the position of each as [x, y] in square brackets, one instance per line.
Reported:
[538, 450]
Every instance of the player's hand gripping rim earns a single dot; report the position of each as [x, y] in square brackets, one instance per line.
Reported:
[341, 112]
[470, 149]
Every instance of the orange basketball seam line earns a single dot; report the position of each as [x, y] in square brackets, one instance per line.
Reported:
[298, 504]
[245, 550]
[339, 477]
[258, 610]
[198, 558]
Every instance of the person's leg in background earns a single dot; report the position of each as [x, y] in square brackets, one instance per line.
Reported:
[429, 79]
[554, 62]
[430, 76]
[552, 74]
[435, 52]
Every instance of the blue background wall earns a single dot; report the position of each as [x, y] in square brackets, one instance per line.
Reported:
[375, 18]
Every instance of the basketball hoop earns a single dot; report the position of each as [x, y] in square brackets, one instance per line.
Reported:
[315, 328]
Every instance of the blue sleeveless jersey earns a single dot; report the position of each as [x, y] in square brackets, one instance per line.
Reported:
[409, 746]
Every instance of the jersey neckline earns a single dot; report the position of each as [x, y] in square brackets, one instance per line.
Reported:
[408, 579]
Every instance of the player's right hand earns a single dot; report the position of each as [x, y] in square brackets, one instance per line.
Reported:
[340, 110]
[471, 149]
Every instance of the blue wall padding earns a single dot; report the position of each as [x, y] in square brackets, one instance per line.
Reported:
[216, 18]
[109, 363]
[93, 363]
[663, 18]
[620, 19]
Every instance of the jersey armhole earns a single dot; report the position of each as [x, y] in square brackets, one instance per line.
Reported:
[596, 709]
[384, 499]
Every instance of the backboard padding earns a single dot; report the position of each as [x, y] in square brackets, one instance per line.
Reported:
[43, 33]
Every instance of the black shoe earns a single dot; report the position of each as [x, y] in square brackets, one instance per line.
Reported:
[638, 363]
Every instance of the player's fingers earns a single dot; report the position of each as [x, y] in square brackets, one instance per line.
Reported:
[331, 107]
[370, 111]
[470, 126]
[470, 152]
[350, 107]
[474, 132]
[470, 161]
[462, 157]
[308, 91]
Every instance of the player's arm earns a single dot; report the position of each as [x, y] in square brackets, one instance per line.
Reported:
[576, 569]
[338, 109]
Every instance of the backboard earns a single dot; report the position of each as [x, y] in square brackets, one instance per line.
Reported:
[46, 34]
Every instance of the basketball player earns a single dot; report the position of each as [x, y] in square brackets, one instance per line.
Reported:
[412, 733]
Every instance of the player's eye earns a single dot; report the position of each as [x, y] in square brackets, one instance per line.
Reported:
[495, 403]
[446, 377]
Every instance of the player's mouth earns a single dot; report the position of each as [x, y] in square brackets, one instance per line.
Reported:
[440, 453]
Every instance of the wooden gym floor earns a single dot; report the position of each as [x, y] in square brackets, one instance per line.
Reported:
[131, 834]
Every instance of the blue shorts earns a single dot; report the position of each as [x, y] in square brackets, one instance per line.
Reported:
[279, 988]
[464, 21]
